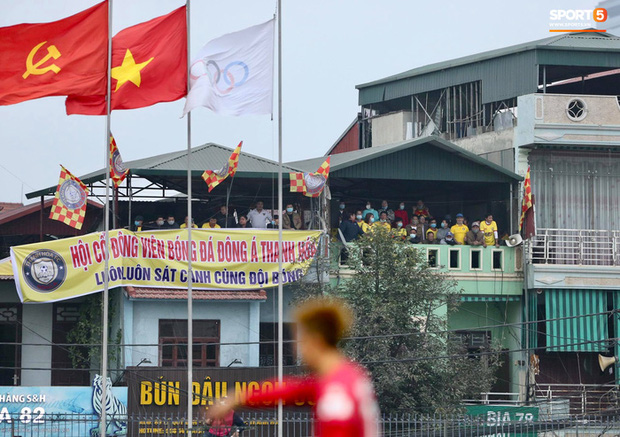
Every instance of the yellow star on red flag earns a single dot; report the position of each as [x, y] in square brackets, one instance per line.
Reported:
[128, 71]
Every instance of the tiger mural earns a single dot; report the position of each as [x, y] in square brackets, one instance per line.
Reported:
[116, 411]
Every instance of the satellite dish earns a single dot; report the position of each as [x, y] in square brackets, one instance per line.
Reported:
[514, 240]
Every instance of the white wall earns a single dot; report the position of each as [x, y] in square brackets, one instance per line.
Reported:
[239, 323]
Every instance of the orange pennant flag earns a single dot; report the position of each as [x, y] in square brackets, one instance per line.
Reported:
[69, 204]
[149, 65]
[215, 177]
[311, 184]
[118, 172]
[61, 58]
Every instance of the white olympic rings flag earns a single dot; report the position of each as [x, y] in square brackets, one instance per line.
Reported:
[233, 74]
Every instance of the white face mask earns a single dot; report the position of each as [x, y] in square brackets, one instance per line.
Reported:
[399, 224]
[368, 206]
[402, 206]
[170, 222]
[160, 222]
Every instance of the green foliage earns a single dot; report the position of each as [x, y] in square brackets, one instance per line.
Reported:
[392, 290]
[88, 331]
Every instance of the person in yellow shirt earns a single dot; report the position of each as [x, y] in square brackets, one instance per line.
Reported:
[359, 219]
[460, 229]
[399, 232]
[489, 228]
[184, 225]
[383, 222]
[211, 224]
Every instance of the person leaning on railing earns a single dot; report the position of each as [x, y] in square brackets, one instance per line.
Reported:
[475, 237]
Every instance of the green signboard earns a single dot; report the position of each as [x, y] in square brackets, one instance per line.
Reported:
[504, 420]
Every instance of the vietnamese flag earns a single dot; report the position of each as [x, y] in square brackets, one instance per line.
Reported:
[61, 58]
[149, 65]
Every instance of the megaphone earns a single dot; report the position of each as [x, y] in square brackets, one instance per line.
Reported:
[514, 240]
[605, 362]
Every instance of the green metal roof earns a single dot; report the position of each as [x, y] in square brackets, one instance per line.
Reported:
[206, 157]
[429, 158]
[505, 73]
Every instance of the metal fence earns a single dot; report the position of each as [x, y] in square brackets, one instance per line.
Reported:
[575, 247]
[581, 398]
[300, 425]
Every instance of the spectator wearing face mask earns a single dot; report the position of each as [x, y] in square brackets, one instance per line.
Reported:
[171, 223]
[460, 229]
[399, 231]
[401, 213]
[275, 223]
[413, 236]
[370, 209]
[341, 215]
[489, 227]
[137, 223]
[158, 224]
[385, 208]
[432, 227]
[291, 219]
[448, 239]
[423, 226]
[442, 230]
[359, 219]
[475, 237]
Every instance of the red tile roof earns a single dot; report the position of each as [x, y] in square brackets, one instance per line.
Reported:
[8, 206]
[181, 294]
[21, 211]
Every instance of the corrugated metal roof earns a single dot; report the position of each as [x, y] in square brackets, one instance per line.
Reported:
[413, 160]
[506, 72]
[206, 157]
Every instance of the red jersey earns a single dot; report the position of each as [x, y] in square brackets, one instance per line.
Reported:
[345, 402]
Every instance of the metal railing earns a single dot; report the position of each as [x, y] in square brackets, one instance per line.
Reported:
[582, 398]
[300, 425]
[575, 247]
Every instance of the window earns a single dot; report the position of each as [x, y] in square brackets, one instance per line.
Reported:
[474, 341]
[455, 258]
[433, 257]
[173, 343]
[576, 110]
[10, 354]
[269, 349]
[63, 370]
[498, 260]
[475, 259]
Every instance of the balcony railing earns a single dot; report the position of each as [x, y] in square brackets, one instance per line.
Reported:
[582, 398]
[575, 247]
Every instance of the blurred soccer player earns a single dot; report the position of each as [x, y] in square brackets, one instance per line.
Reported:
[345, 403]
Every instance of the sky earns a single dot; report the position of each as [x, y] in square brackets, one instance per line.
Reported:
[329, 47]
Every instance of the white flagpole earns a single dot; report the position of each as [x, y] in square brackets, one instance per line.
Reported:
[280, 289]
[106, 227]
[190, 310]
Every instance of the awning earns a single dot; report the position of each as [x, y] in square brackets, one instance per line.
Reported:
[494, 298]
[574, 332]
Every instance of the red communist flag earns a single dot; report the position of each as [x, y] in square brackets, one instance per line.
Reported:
[61, 58]
[149, 65]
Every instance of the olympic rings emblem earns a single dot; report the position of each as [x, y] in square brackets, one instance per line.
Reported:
[235, 74]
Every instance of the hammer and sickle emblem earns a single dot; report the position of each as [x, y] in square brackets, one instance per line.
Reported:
[52, 52]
